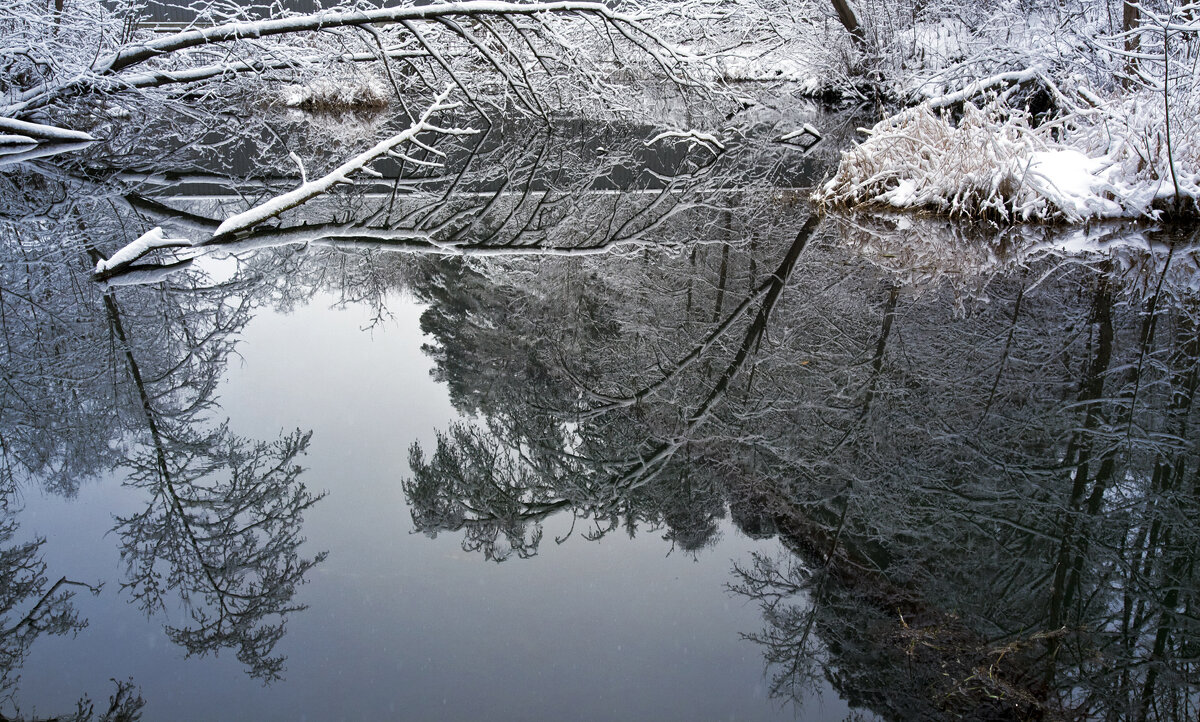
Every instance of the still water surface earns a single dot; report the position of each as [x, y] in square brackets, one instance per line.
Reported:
[585, 429]
[399, 625]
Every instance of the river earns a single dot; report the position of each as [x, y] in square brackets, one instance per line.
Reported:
[585, 423]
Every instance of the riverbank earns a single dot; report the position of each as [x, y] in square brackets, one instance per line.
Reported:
[1064, 115]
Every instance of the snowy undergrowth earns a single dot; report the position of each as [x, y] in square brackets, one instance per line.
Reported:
[1080, 128]
[994, 164]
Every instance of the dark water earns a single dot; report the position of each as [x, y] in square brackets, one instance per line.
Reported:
[578, 428]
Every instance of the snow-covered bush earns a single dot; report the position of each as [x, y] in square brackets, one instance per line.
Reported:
[1148, 170]
[992, 164]
[40, 45]
[1108, 161]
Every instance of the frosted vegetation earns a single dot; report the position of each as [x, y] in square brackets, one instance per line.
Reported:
[1010, 111]
[1032, 111]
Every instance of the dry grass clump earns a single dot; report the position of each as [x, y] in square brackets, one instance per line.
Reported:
[1111, 160]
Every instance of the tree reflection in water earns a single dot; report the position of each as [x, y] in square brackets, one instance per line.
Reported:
[977, 452]
[983, 470]
[124, 378]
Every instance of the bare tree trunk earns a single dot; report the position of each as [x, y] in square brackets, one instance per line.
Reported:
[1129, 22]
[721, 280]
[849, 18]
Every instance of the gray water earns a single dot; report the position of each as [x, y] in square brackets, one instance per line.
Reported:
[598, 431]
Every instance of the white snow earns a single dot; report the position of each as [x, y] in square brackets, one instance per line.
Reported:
[319, 186]
[23, 154]
[10, 143]
[1105, 148]
[146, 276]
[1072, 182]
[693, 136]
[42, 132]
[143, 244]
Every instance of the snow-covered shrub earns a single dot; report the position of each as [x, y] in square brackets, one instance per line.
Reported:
[992, 164]
[922, 49]
[1111, 160]
[1143, 169]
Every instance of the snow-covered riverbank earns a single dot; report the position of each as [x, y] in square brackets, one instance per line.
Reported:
[1062, 114]
[993, 163]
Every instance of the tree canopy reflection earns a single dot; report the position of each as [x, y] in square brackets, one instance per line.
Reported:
[983, 474]
[977, 453]
[123, 380]
[121, 375]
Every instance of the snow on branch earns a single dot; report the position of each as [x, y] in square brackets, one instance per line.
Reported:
[319, 186]
[143, 244]
[41, 132]
[978, 87]
[9, 141]
[121, 261]
[694, 137]
[182, 57]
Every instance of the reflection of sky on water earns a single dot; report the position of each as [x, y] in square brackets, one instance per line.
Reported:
[399, 625]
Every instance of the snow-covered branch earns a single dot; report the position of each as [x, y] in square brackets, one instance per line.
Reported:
[508, 38]
[122, 260]
[39, 131]
[312, 189]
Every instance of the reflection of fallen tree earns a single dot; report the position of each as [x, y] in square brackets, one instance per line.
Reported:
[231, 230]
[543, 202]
[642, 469]
[983, 501]
[497, 487]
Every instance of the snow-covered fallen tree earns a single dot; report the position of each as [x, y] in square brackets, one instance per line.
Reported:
[524, 57]
[419, 135]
